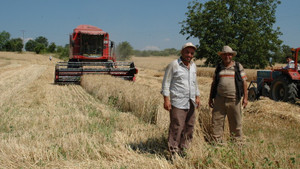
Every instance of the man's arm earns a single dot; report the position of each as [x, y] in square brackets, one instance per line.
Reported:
[165, 91]
[211, 101]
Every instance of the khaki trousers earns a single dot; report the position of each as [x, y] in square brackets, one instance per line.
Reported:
[181, 128]
[232, 108]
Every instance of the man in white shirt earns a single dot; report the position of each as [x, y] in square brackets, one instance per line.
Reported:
[181, 96]
[290, 63]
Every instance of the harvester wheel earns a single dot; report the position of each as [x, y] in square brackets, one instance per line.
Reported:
[253, 94]
[283, 89]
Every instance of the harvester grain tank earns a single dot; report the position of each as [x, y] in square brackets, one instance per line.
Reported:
[91, 52]
[279, 84]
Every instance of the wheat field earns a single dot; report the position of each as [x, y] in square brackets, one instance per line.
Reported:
[110, 123]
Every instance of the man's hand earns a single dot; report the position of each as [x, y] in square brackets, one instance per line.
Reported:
[198, 103]
[245, 98]
[245, 102]
[167, 103]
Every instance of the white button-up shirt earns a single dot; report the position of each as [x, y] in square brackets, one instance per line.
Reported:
[290, 65]
[180, 83]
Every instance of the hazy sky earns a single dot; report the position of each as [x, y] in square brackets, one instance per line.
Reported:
[144, 24]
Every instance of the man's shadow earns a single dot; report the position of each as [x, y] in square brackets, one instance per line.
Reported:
[156, 146]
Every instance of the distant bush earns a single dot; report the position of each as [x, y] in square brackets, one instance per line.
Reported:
[39, 48]
[30, 45]
[14, 45]
[124, 51]
[63, 52]
[51, 48]
[4, 37]
[166, 52]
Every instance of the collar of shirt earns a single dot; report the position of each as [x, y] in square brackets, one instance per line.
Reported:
[180, 62]
[224, 67]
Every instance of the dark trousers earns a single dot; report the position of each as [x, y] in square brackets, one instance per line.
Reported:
[181, 128]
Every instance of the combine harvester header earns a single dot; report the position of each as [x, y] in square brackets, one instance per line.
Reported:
[91, 52]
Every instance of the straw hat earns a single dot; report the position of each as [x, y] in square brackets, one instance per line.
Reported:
[227, 49]
[189, 44]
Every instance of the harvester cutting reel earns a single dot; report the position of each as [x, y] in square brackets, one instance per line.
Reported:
[71, 72]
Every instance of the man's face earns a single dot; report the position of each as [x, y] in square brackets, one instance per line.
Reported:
[188, 54]
[226, 58]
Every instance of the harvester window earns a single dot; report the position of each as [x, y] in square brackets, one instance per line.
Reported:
[91, 45]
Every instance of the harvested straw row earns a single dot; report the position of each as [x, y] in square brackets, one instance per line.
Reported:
[140, 100]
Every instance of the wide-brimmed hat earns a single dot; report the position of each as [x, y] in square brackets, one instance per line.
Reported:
[189, 44]
[227, 49]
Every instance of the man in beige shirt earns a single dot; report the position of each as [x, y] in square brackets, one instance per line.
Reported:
[228, 92]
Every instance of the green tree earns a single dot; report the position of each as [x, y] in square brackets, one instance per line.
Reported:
[281, 53]
[51, 47]
[14, 45]
[245, 25]
[30, 45]
[19, 45]
[42, 40]
[4, 37]
[39, 48]
[63, 52]
[124, 50]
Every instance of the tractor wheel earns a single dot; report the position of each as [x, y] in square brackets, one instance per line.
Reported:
[283, 89]
[253, 94]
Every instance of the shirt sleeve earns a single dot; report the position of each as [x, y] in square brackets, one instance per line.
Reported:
[165, 91]
[197, 87]
[243, 73]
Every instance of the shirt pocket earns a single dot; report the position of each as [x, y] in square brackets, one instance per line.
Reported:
[179, 76]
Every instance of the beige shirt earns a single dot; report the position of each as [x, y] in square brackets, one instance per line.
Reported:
[226, 86]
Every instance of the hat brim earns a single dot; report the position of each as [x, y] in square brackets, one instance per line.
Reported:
[233, 53]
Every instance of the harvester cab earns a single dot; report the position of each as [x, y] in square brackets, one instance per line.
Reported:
[279, 84]
[91, 52]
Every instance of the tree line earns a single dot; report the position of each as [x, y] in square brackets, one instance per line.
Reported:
[41, 45]
[37, 45]
[125, 51]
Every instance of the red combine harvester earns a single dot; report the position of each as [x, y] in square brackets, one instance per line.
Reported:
[91, 52]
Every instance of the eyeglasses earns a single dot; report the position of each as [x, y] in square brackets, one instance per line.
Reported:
[227, 54]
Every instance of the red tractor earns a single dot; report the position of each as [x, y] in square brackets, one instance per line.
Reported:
[278, 84]
[91, 52]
